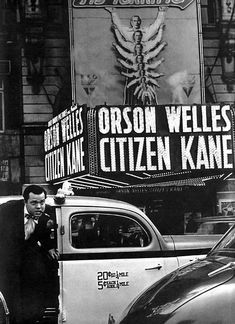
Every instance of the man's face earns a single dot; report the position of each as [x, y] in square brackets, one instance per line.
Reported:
[138, 49]
[139, 59]
[137, 36]
[36, 204]
[135, 22]
[141, 66]
[143, 80]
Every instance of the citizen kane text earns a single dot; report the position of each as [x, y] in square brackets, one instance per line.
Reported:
[142, 139]
[137, 139]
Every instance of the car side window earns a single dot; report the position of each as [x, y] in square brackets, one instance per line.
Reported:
[97, 230]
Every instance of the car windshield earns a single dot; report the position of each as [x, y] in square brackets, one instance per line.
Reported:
[226, 246]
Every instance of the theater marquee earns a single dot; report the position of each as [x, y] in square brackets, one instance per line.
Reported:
[164, 138]
[65, 145]
[123, 142]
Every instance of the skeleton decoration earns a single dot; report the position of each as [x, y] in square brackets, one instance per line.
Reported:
[138, 48]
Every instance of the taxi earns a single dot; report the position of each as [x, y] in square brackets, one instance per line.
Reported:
[109, 252]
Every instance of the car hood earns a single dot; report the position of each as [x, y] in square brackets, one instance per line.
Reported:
[179, 287]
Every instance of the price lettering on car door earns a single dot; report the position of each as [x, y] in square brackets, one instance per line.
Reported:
[109, 279]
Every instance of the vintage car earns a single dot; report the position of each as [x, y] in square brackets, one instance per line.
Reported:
[200, 292]
[215, 224]
[109, 252]
[212, 225]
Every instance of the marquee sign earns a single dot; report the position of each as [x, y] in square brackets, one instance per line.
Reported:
[182, 4]
[132, 141]
[154, 139]
[65, 144]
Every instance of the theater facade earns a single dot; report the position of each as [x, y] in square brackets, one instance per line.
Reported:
[123, 99]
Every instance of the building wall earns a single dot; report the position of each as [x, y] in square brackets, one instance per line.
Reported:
[213, 70]
[25, 143]
[54, 94]
[39, 108]
[211, 28]
[10, 102]
[10, 175]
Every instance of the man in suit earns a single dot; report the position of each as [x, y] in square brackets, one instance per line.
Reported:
[26, 247]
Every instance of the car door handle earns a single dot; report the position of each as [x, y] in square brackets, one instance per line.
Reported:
[158, 267]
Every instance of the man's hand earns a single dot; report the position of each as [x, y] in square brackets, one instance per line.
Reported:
[54, 254]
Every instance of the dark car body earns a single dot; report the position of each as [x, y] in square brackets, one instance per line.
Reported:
[200, 292]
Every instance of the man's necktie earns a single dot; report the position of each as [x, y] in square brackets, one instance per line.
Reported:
[29, 227]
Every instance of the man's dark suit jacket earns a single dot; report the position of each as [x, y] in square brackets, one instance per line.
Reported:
[12, 248]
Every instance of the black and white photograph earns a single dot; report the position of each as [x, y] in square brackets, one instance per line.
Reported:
[117, 161]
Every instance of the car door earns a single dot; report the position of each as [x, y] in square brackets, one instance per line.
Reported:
[108, 256]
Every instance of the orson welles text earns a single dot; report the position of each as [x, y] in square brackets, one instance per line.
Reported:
[64, 145]
[165, 138]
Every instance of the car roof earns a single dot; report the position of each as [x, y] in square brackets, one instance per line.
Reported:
[91, 201]
[4, 199]
[81, 201]
[217, 219]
